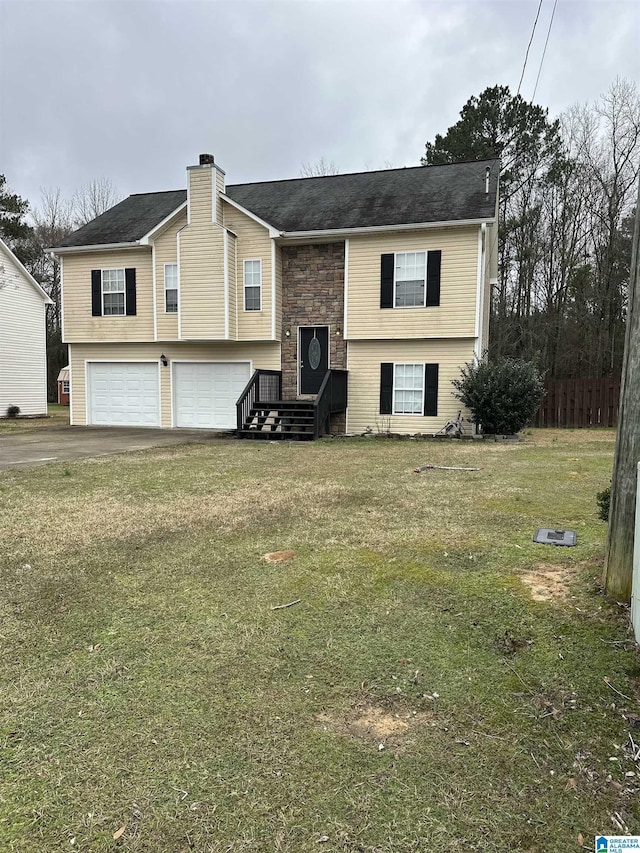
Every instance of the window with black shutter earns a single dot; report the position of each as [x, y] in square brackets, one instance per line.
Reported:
[386, 388]
[386, 280]
[410, 279]
[431, 390]
[113, 292]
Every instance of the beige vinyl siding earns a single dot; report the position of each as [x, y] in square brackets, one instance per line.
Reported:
[232, 283]
[23, 363]
[253, 243]
[458, 287]
[364, 360]
[166, 246]
[202, 314]
[261, 355]
[79, 325]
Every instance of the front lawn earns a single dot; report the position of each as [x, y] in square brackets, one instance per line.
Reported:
[56, 416]
[442, 684]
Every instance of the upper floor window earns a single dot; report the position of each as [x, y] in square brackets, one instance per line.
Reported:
[410, 279]
[171, 288]
[253, 285]
[112, 292]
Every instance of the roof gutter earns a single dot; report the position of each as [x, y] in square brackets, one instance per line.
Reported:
[376, 229]
[96, 247]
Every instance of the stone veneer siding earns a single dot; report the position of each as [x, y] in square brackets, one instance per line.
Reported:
[312, 295]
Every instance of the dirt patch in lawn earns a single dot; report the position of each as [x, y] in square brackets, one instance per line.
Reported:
[549, 582]
[377, 725]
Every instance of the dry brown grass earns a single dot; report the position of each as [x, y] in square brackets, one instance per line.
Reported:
[140, 657]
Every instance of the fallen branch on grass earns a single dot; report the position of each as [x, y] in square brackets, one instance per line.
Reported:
[290, 604]
[615, 690]
[442, 468]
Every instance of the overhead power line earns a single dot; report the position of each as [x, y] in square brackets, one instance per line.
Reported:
[535, 88]
[526, 56]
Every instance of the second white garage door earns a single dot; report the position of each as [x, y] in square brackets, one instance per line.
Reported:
[205, 393]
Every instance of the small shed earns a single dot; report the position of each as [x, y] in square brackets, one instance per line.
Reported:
[63, 386]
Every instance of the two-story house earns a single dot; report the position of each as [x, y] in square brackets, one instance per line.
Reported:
[375, 284]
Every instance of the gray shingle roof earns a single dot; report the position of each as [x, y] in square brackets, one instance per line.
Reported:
[128, 221]
[364, 199]
[367, 199]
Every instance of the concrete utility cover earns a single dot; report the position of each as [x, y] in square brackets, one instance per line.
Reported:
[549, 536]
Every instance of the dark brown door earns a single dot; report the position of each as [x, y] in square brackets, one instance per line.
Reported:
[314, 358]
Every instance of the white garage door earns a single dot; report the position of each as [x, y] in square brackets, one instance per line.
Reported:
[205, 393]
[123, 394]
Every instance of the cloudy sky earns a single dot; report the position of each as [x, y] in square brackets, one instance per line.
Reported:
[134, 90]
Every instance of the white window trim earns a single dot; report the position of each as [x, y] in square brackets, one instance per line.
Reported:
[65, 382]
[124, 291]
[419, 414]
[245, 285]
[395, 282]
[176, 288]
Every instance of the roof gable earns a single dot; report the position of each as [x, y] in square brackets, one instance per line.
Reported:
[4, 249]
[129, 221]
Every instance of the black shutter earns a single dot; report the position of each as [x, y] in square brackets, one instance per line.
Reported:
[431, 390]
[434, 261]
[386, 281]
[130, 287]
[386, 388]
[96, 293]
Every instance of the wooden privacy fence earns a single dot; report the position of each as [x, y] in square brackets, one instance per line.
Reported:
[579, 403]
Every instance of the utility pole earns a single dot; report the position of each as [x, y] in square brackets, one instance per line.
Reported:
[618, 568]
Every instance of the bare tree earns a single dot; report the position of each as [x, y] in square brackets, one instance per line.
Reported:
[93, 199]
[52, 220]
[319, 169]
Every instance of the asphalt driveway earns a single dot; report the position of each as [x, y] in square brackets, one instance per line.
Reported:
[59, 443]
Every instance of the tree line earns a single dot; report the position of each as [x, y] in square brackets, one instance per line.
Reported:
[567, 194]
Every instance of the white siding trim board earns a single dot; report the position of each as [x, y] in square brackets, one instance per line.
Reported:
[155, 292]
[62, 299]
[71, 388]
[225, 274]
[480, 289]
[345, 318]
[273, 289]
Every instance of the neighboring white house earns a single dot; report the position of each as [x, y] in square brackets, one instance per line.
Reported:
[23, 346]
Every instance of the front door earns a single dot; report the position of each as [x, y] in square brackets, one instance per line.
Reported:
[313, 355]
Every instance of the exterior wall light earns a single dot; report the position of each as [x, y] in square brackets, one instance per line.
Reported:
[163, 359]
[287, 334]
